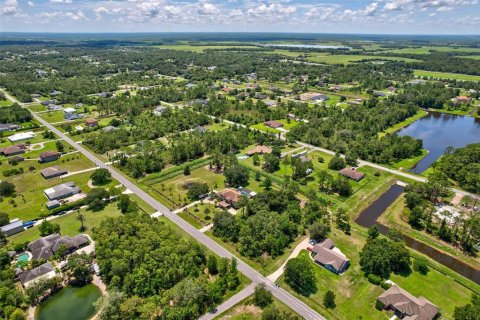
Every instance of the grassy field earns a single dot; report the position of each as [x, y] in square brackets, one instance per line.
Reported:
[199, 49]
[446, 75]
[403, 124]
[355, 296]
[263, 127]
[69, 224]
[410, 162]
[246, 310]
[470, 57]
[5, 103]
[199, 215]
[53, 116]
[29, 202]
[427, 50]
[346, 59]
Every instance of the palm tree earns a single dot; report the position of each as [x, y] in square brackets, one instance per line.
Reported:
[81, 218]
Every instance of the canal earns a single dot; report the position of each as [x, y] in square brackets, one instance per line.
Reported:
[439, 131]
[369, 216]
[72, 303]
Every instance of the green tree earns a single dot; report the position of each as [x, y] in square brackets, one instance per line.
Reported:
[4, 219]
[186, 170]
[271, 163]
[79, 266]
[7, 188]
[101, 177]
[373, 232]
[96, 199]
[212, 265]
[125, 204]
[329, 300]
[336, 163]
[46, 228]
[299, 275]
[319, 231]
[267, 183]
[262, 297]
[60, 146]
[237, 176]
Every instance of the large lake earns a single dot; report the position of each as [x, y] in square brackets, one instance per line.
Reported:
[72, 303]
[439, 131]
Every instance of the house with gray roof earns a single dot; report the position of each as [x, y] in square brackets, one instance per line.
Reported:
[62, 191]
[47, 246]
[13, 227]
[52, 172]
[406, 306]
[45, 270]
[328, 256]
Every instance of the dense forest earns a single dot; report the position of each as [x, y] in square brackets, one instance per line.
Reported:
[152, 271]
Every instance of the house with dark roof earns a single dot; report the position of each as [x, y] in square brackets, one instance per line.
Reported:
[13, 150]
[45, 271]
[15, 159]
[352, 173]
[15, 226]
[52, 172]
[8, 127]
[47, 246]
[406, 306]
[62, 191]
[273, 124]
[49, 156]
[329, 257]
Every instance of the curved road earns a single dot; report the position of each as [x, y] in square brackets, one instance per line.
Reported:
[295, 304]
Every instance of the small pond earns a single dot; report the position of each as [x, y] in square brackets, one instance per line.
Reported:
[439, 131]
[72, 303]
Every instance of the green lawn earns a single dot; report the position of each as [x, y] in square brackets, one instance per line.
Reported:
[52, 116]
[199, 49]
[5, 103]
[69, 224]
[288, 123]
[346, 59]
[410, 162]
[446, 75]
[4, 142]
[37, 107]
[199, 215]
[426, 50]
[29, 202]
[217, 126]
[263, 127]
[246, 310]
[355, 296]
[403, 124]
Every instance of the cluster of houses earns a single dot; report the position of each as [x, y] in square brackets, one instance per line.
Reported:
[44, 249]
[60, 192]
[230, 197]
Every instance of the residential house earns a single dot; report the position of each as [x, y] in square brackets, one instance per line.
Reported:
[54, 107]
[406, 306]
[62, 191]
[229, 196]
[329, 257]
[47, 102]
[16, 159]
[312, 96]
[260, 96]
[260, 149]
[21, 136]
[227, 89]
[392, 89]
[13, 150]
[47, 246]
[72, 116]
[271, 103]
[15, 226]
[378, 94]
[352, 173]
[54, 93]
[52, 204]
[463, 99]
[8, 127]
[44, 271]
[49, 156]
[159, 110]
[90, 122]
[52, 172]
[69, 110]
[273, 124]
[109, 128]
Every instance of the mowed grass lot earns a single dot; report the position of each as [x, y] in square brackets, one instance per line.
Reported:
[246, 310]
[29, 202]
[446, 75]
[199, 215]
[263, 127]
[199, 49]
[52, 116]
[70, 225]
[346, 59]
[429, 49]
[355, 296]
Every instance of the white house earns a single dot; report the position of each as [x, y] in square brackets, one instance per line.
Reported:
[21, 136]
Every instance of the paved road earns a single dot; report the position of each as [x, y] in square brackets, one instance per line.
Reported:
[234, 300]
[282, 295]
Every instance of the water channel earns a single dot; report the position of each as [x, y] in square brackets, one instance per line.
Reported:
[369, 216]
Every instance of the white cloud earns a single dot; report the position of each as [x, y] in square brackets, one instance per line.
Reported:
[10, 8]
[31, 4]
[62, 1]
[274, 9]
[321, 13]
[206, 8]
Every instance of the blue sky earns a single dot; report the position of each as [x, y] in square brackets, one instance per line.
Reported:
[347, 16]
